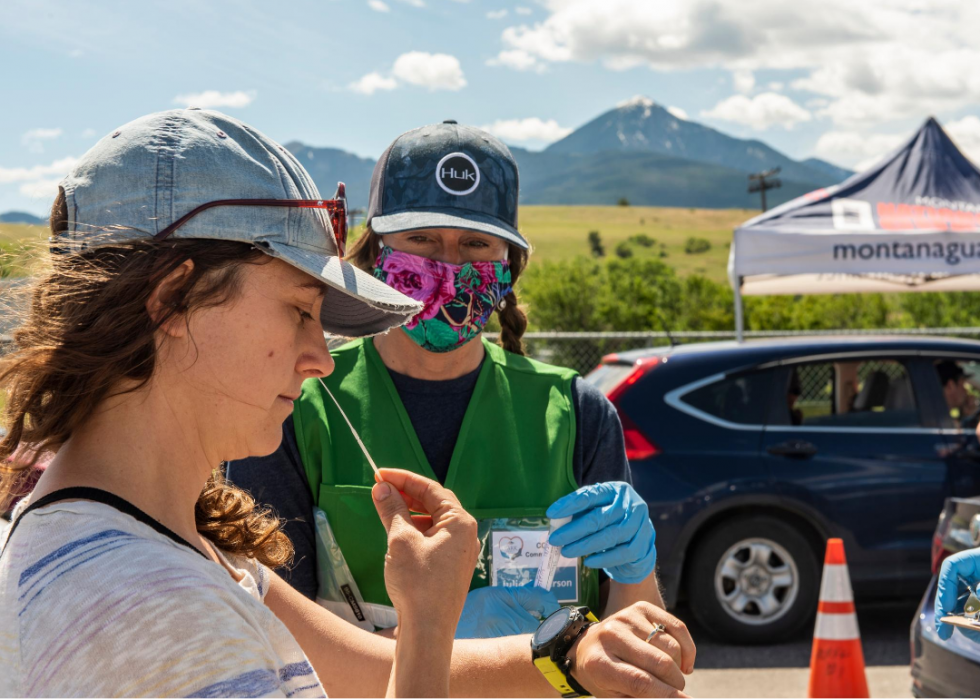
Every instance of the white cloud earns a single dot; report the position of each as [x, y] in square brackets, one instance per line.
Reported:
[378, 6]
[523, 10]
[212, 99]
[59, 168]
[497, 14]
[860, 150]
[89, 133]
[966, 134]
[372, 82]
[40, 181]
[435, 71]
[776, 86]
[40, 189]
[857, 150]
[874, 61]
[760, 112]
[34, 139]
[743, 80]
[529, 129]
[414, 3]
[517, 59]
[678, 112]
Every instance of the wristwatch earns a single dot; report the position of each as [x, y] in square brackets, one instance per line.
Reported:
[550, 645]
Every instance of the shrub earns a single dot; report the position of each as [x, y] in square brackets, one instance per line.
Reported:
[623, 250]
[643, 240]
[695, 246]
[623, 201]
[634, 293]
[595, 244]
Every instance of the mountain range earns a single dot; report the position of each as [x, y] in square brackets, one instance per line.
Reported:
[638, 150]
[641, 125]
[21, 217]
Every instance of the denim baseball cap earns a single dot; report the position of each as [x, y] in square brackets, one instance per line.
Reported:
[446, 176]
[148, 174]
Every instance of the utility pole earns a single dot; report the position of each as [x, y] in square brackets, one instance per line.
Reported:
[761, 181]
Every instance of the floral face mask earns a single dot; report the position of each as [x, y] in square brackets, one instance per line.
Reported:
[458, 298]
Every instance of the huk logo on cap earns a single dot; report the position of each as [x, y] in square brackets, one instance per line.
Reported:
[458, 174]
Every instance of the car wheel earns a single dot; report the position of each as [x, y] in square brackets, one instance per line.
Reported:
[753, 580]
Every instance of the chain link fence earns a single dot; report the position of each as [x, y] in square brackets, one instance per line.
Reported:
[583, 351]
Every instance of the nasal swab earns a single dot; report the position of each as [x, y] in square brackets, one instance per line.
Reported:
[353, 431]
[550, 557]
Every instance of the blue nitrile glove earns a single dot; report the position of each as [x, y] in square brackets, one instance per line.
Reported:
[611, 527]
[490, 612]
[966, 565]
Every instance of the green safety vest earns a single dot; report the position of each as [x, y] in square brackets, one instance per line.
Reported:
[513, 455]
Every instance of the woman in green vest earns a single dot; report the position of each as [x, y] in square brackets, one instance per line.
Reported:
[517, 440]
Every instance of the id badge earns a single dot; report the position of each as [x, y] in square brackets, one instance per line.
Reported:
[517, 552]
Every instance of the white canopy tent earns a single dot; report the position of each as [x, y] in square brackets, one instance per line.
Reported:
[910, 223]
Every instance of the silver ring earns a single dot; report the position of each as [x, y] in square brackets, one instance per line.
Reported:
[659, 628]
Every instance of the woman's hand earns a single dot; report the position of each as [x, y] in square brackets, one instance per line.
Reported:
[428, 568]
[431, 555]
[611, 527]
[613, 658]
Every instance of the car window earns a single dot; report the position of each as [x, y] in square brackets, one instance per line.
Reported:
[864, 393]
[741, 399]
[959, 380]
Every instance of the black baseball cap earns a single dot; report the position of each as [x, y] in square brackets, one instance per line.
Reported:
[446, 176]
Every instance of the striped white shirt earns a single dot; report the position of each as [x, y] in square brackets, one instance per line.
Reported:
[95, 603]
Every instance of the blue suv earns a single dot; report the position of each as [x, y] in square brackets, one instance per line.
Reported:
[751, 455]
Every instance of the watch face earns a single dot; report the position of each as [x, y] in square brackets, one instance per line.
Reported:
[552, 626]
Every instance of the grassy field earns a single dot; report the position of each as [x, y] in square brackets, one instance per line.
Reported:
[19, 232]
[15, 241]
[561, 232]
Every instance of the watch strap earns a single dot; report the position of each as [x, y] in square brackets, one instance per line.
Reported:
[580, 691]
[558, 679]
[566, 663]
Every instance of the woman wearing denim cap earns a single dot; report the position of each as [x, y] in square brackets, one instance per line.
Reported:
[513, 438]
[194, 269]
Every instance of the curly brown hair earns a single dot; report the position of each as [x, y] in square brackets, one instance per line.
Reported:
[364, 253]
[87, 332]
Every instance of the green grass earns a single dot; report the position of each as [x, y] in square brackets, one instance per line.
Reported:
[561, 232]
[16, 242]
[20, 232]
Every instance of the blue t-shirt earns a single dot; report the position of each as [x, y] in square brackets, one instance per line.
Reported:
[436, 409]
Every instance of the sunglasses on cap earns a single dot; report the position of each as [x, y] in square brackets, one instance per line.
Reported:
[336, 208]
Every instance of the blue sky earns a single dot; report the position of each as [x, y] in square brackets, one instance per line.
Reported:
[837, 79]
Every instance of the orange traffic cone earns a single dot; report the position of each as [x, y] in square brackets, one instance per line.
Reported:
[837, 662]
